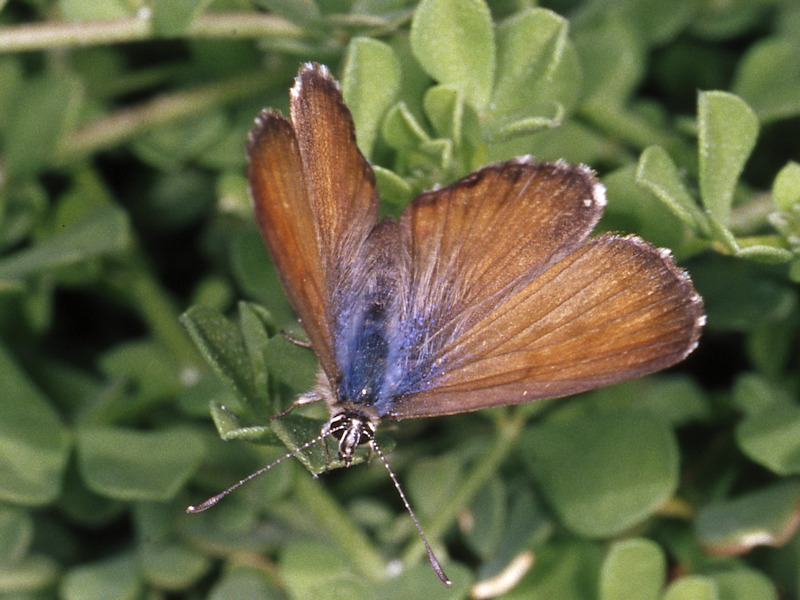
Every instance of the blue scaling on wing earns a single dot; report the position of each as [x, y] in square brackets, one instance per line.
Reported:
[365, 350]
[381, 351]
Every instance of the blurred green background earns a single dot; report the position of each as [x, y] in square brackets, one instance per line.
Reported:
[123, 205]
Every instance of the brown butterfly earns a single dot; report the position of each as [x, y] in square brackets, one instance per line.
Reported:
[487, 292]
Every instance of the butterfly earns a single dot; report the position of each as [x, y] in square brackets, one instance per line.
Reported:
[486, 292]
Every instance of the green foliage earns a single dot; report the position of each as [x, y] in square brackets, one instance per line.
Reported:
[126, 241]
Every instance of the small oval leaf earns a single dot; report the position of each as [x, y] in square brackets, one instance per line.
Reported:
[138, 465]
[728, 129]
[453, 40]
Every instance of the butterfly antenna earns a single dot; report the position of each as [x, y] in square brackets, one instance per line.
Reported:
[206, 504]
[435, 565]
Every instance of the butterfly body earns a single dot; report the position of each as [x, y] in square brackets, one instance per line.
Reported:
[367, 328]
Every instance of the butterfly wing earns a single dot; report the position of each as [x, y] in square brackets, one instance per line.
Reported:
[527, 307]
[314, 198]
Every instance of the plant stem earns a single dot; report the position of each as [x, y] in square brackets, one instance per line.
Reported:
[340, 527]
[509, 429]
[44, 36]
[112, 130]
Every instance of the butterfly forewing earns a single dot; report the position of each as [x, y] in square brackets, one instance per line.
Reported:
[288, 224]
[341, 183]
[314, 199]
[612, 309]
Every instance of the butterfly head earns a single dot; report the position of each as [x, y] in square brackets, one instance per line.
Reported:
[352, 429]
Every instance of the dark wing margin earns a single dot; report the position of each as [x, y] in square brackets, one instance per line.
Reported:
[314, 198]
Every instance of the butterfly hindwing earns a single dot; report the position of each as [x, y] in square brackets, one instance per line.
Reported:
[613, 309]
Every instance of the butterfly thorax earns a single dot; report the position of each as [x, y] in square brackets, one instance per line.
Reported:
[367, 337]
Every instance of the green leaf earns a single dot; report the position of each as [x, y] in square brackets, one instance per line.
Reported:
[102, 232]
[34, 445]
[768, 78]
[612, 62]
[12, 79]
[172, 566]
[256, 326]
[301, 12]
[656, 22]
[770, 347]
[393, 189]
[229, 426]
[728, 129]
[745, 299]
[175, 144]
[110, 461]
[527, 126]
[722, 235]
[292, 364]
[528, 524]
[419, 581]
[772, 439]
[370, 84]
[32, 577]
[584, 467]
[754, 393]
[257, 277]
[453, 40]
[46, 109]
[634, 569]
[432, 481]
[99, 10]
[245, 581]
[116, 577]
[294, 431]
[692, 587]
[21, 209]
[767, 517]
[658, 174]
[171, 18]
[16, 534]
[631, 209]
[786, 187]
[530, 46]
[488, 513]
[439, 151]
[401, 130]
[313, 569]
[148, 369]
[744, 584]
[444, 107]
[222, 345]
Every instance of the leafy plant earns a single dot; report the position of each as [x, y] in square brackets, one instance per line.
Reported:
[123, 205]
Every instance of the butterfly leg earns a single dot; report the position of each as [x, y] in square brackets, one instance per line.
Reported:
[294, 340]
[307, 398]
[324, 433]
